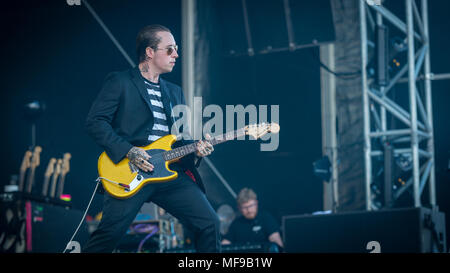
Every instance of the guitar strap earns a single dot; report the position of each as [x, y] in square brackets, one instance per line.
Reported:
[191, 175]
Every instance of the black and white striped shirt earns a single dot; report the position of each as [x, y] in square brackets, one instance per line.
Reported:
[160, 125]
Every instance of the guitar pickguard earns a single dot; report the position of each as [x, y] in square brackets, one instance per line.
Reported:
[159, 170]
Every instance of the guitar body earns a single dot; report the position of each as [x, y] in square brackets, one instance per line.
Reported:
[135, 178]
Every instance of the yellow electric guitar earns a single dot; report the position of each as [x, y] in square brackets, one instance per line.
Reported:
[123, 180]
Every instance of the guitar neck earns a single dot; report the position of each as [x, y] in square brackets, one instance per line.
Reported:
[61, 185]
[183, 151]
[22, 179]
[30, 180]
[45, 186]
[53, 188]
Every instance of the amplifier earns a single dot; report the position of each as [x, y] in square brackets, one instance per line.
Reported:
[406, 230]
[30, 226]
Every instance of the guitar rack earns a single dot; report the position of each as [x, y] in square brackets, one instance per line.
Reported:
[24, 196]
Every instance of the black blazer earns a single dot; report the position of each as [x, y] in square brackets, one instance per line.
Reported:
[121, 117]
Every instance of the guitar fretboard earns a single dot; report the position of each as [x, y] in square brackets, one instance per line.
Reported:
[190, 148]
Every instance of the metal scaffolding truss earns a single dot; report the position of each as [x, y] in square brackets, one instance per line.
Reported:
[412, 136]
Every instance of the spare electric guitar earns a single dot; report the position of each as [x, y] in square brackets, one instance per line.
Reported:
[35, 162]
[23, 169]
[123, 180]
[55, 177]
[64, 170]
[47, 176]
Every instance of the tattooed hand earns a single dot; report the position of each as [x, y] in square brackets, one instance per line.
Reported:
[204, 148]
[139, 157]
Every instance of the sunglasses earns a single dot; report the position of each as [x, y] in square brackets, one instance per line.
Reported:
[170, 49]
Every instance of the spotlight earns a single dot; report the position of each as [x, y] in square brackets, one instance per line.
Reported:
[33, 109]
[404, 162]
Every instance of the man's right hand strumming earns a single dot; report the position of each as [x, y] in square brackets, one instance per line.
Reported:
[139, 157]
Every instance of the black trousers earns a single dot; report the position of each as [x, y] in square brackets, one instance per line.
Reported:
[181, 197]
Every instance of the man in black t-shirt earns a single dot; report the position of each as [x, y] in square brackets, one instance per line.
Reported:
[252, 226]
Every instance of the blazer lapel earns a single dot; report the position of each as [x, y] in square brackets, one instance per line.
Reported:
[140, 85]
[165, 94]
[167, 101]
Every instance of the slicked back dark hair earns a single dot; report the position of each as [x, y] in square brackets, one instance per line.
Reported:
[147, 37]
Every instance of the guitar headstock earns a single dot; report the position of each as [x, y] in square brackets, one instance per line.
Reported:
[65, 163]
[26, 161]
[50, 167]
[258, 130]
[36, 159]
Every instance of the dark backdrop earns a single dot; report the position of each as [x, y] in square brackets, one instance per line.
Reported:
[59, 54]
